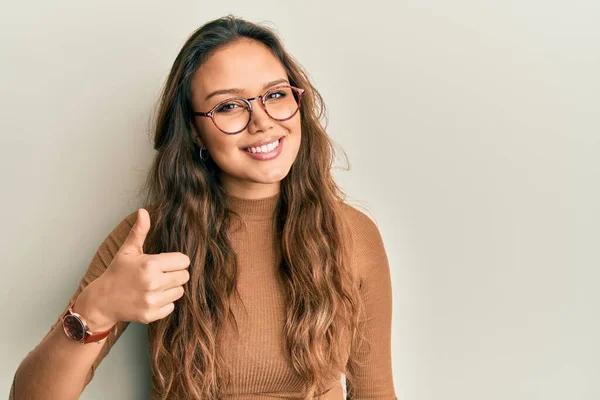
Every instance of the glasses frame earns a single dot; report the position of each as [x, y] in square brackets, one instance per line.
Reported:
[210, 113]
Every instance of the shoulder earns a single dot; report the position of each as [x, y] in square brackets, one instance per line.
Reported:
[122, 229]
[368, 250]
[363, 227]
[128, 220]
[116, 236]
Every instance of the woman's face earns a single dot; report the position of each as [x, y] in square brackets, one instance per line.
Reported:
[245, 68]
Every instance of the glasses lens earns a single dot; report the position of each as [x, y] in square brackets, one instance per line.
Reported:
[232, 116]
[281, 103]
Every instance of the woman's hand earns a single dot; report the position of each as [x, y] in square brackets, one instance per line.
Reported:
[135, 286]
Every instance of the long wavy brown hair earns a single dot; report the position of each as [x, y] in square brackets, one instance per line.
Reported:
[189, 214]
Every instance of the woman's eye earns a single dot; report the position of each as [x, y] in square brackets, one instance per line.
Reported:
[227, 107]
[275, 95]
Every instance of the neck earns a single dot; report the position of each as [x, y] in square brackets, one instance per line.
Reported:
[253, 209]
[249, 190]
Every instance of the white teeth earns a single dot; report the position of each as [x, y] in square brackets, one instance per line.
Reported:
[264, 148]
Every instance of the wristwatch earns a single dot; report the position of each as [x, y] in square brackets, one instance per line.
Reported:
[76, 328]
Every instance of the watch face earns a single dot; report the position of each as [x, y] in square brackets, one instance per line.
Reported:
[74, 327]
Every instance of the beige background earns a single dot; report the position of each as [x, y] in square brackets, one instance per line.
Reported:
[472, 129]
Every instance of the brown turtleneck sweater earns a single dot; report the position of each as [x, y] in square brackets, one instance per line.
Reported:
[258, 364]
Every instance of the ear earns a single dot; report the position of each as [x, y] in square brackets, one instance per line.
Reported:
[196, 136]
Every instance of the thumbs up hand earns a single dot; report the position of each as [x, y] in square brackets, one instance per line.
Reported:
[136, 286]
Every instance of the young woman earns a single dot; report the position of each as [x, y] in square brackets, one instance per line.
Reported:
[257, 280]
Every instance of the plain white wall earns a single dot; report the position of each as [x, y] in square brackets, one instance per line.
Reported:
[472, 132]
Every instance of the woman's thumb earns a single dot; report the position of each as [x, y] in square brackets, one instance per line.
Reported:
[137, 235]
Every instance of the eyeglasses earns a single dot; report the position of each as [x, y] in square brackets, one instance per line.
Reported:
[233, 115]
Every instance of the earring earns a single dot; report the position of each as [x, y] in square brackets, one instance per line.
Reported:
[202, 158]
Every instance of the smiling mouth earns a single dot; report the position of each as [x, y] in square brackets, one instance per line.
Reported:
[265, 148]
[272, 152]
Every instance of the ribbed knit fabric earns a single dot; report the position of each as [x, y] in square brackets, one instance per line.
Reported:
[258, 363]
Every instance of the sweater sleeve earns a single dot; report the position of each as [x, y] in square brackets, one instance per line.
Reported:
[100, 261]
[373, 376]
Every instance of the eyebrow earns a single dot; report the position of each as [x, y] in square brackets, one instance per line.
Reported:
[240, 91]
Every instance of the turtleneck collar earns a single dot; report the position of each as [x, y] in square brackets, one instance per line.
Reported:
[253, 209]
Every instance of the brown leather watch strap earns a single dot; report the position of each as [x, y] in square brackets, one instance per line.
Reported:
[96, 337]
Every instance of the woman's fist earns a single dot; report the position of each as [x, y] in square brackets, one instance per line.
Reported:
[141, 287]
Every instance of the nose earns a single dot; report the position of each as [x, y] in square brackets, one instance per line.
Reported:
[260, 120]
